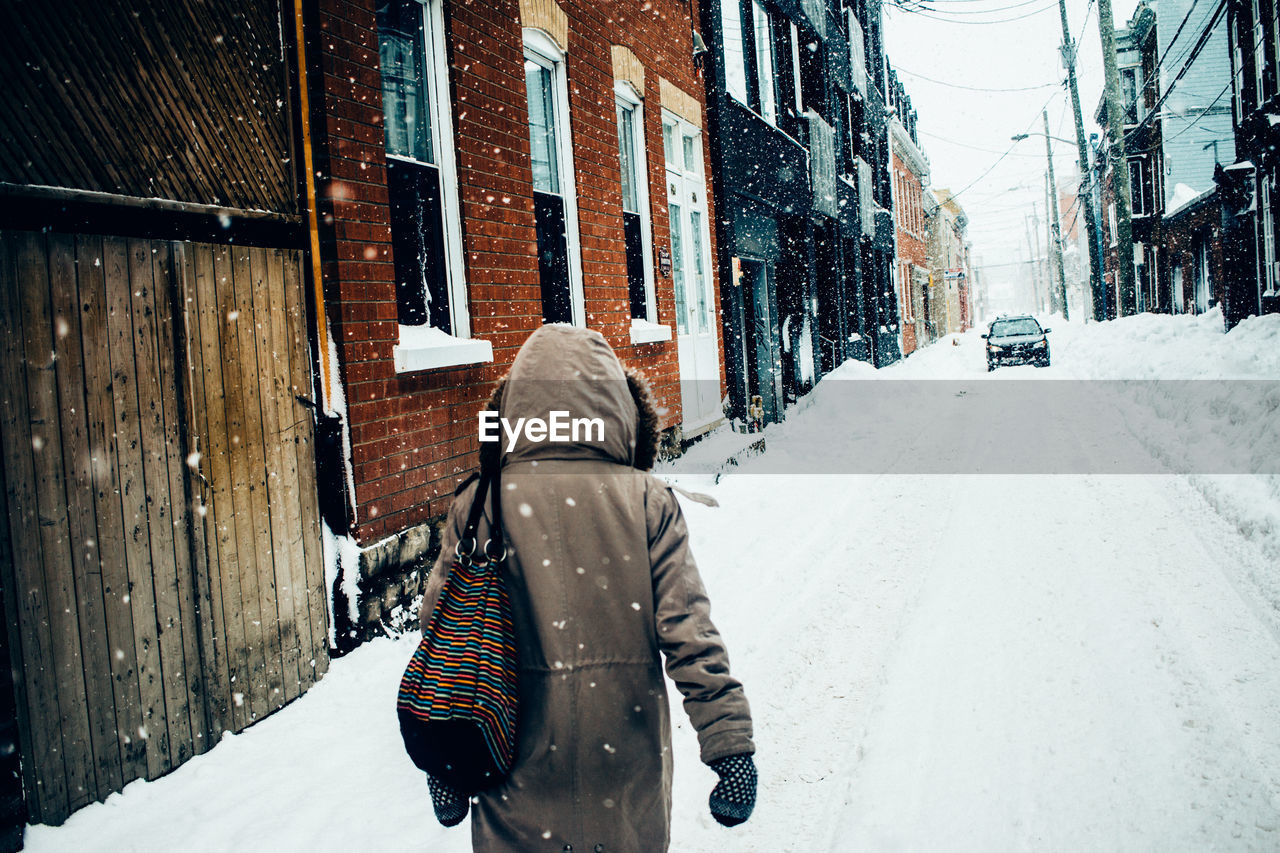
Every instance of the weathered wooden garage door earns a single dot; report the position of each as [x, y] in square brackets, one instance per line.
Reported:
[160, 543]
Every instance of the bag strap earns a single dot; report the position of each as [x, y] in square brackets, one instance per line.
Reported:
[496, 547]
[466, 549]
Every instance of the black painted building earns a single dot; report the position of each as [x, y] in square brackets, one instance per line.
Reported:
[800, 159]
[1249, 187]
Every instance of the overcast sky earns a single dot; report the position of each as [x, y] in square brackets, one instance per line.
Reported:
[964, 132]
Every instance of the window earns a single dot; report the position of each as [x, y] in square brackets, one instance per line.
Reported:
[635, 203]
[765, 69]
[554, 199]
[1259, 51]
[426, 233]
[795, 70]
[1129, 92]
[735, 55]
[1141, 187]
[1237, 75]
[857, 51]
[1266, 223]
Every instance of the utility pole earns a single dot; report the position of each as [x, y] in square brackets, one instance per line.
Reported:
[1050, 274]
[1119, 164]
[1086, 195]
[1057, 222]
[1033, 249]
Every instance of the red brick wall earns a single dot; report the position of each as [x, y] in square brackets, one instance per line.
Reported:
[908, 217]
[413, 434]
[1181, 237]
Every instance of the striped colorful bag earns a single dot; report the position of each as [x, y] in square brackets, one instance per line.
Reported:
[457, 701]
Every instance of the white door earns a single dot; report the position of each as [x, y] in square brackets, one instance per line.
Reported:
[696, 321]
[1204, 286]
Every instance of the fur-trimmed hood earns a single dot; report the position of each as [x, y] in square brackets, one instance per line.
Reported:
[566, 368]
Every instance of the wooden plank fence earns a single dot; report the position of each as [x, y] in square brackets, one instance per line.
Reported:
[159, 544]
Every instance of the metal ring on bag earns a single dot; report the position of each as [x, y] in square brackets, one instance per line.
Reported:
[467, 558]
[492, 557]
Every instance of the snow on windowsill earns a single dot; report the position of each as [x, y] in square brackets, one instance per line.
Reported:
[644, 332]
[424, 348]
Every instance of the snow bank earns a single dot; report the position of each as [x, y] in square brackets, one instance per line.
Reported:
[326, 773]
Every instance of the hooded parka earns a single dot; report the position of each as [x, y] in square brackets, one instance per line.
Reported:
[602, 581]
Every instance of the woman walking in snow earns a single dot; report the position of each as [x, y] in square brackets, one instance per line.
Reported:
[601, 581]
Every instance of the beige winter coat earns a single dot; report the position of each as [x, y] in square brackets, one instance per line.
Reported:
[601, 581]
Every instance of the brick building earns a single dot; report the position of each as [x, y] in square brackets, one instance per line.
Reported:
[1194, 259]
[946, 224]
[487, 167]
[910, 170]
[1137, 54]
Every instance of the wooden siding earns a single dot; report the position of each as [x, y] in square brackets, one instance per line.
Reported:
[161, 534]
[181, 100]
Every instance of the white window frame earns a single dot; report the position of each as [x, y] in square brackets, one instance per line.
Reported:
[1138, 190]
[646, 329]
[1259, 51]
[768, 99]
[795, 68]
[732, 41]
[423, 348]
[542, 49]
[1266, 221]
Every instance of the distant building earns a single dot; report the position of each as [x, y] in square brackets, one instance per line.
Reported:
[1137, 56]
[800, 166]
[948, 263]
[910, 169]
[1197, 138]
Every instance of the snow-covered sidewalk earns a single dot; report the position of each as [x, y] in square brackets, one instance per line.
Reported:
[934, 662]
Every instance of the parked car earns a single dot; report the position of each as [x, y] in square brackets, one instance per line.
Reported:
[1017, 340]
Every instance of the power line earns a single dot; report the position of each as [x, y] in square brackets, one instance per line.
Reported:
[1204, 112]
[1042, 10]
[966, 145]
[927, 5]
[1002, 156]
[1203, 40]
[902, 70]
[1178, 32]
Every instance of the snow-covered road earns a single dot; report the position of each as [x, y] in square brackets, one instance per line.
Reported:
[1083, 662]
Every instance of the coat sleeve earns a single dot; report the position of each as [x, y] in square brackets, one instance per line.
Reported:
[696, 658]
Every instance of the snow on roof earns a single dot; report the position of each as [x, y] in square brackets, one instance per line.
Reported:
[1184, 196]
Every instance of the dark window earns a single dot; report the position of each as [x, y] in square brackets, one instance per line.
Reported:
[634, 207]
[1129, 93]
[1140, 187]
[413, 165]
[548, 193]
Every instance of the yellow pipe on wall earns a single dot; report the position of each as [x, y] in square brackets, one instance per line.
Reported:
[313, 219]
